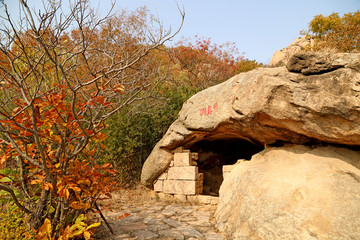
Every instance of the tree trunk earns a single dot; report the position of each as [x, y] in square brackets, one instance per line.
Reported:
[37, 217]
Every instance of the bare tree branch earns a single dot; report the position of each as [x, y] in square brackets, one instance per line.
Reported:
[13, 196]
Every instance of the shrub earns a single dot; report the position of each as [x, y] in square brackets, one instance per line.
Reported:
[61, 77]
[133, 132]
[13, 224]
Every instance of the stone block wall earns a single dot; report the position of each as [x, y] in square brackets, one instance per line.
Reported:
[183, 181]
[182, 177]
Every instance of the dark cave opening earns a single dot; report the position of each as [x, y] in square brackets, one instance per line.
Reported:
[223, 149]
[214, 154]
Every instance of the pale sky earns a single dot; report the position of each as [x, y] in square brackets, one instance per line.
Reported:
[258, 27]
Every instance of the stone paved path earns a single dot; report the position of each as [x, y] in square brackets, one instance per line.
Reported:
[159, 220]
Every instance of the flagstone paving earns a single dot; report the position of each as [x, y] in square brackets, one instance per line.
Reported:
[161, 220]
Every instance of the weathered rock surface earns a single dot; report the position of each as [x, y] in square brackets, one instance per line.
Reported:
[281, 57]
[316, 100]
[293, 193]
[309, 63]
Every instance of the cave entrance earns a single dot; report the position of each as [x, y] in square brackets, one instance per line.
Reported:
[214, 154]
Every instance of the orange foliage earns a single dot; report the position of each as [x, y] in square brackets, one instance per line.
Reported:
[206, 63]
[51, 162]
[58, 85]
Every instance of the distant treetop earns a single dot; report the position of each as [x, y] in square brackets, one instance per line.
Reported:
[334, 32]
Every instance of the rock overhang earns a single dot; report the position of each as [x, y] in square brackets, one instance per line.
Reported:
[270, 106]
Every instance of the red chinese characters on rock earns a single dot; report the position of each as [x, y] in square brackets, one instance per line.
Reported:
[206, 111]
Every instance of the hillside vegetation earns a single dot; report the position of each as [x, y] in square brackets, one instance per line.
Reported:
[335, 33]
[83, 101]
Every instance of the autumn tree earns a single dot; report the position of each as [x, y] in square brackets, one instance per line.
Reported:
[204, 63]
[334, 32]
[194, 65]
[62, 74]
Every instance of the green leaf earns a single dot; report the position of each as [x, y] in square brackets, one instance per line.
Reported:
[5, 180]
[51, 210]
[7, 171]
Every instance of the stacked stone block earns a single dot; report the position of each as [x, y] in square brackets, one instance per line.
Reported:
[182, 177]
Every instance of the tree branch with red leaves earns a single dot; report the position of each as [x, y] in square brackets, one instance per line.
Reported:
[61, 76]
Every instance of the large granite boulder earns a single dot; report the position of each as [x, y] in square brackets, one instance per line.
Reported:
[315, 99]
[293, 192]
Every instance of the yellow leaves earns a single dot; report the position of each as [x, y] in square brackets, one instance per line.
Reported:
[54, 117]
[100, 136]
[321, 25]
[92, 152]
[119, 88]
[84, 181]
[44, 232]
[64, 192]
[27, 235]
[36, 181]
[44, 185]
[87, 235]
[335, 32]
[106, 165]
[75, 188]
[79, 228]
[40, 176]
[93, 225]
[3, 159]
[47, 186]
[38, 101]
[78, 205]
[56, 138]
[16, 110]
[89, 132]
[12, 224]
[71, 147]
[102, 87]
